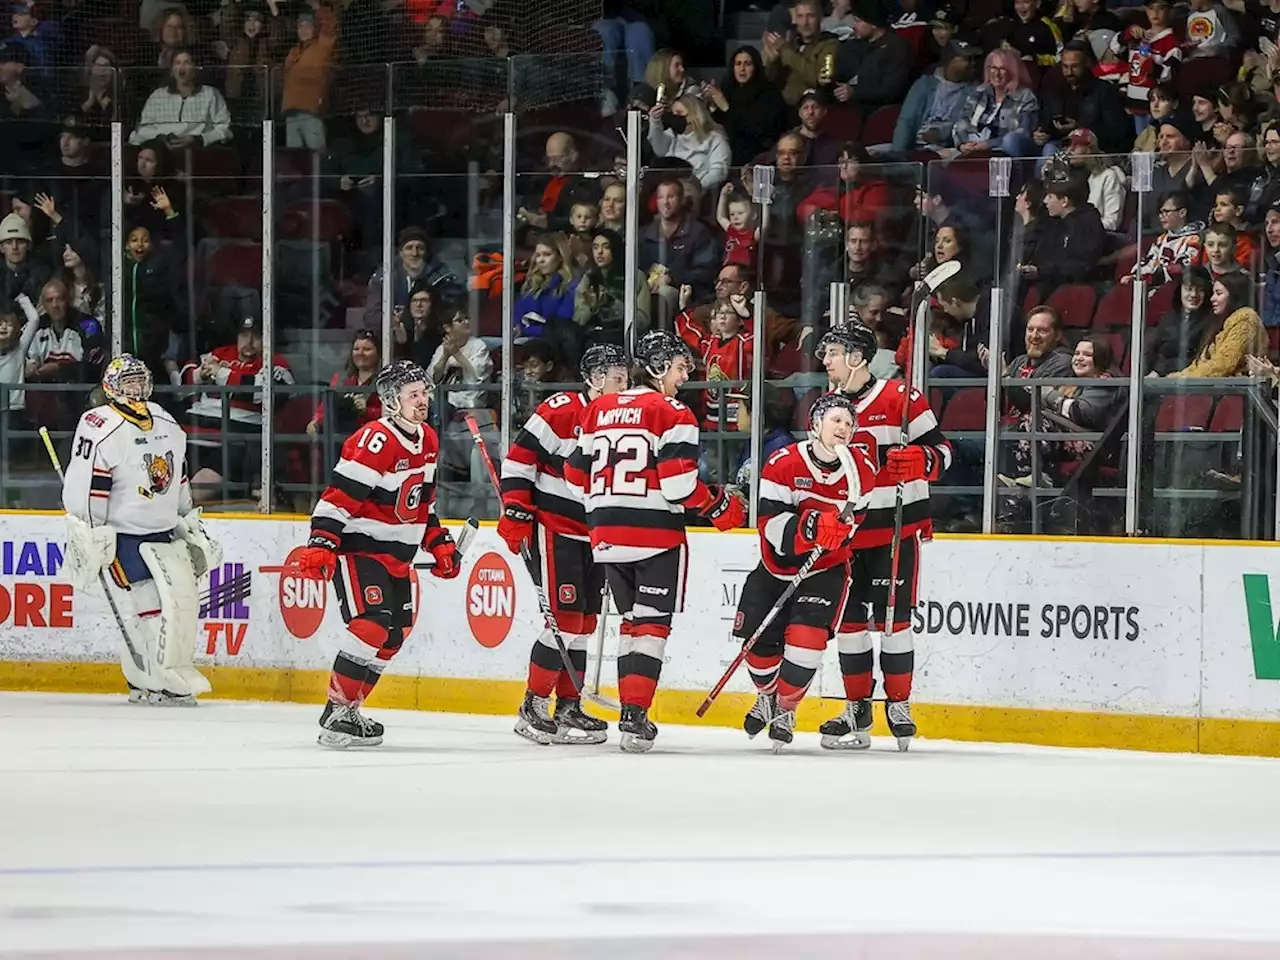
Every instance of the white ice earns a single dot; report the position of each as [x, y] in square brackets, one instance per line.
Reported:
[125, 827]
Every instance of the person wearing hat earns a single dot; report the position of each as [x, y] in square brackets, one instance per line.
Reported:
[1106, 179]
[936, 101]
[19, 273]
[249, 58]
[305, 98]
[1175, 168]
[417, 266]
[874, 67]
[25, 21]
[797, 62]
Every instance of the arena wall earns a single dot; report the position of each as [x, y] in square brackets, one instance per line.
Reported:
[1156, 645]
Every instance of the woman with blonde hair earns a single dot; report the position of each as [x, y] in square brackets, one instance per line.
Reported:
[1233, 334]
[665, 74]
[685, 131]
[549, 286]
[1001, 114]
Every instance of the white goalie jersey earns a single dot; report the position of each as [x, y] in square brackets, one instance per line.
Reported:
[128, 471]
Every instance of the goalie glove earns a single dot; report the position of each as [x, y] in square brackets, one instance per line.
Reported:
[206, 553]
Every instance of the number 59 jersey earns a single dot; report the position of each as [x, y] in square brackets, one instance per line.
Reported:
[635, 465]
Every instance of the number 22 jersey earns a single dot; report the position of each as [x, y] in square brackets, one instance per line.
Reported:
[635, 465]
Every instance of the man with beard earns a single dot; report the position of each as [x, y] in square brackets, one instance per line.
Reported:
[561, 189]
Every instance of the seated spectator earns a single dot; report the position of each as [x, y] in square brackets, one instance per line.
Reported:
[583, 220]
[664, 81]
[613, 208]
[1265, 189]
[1080, 18]
[840, 22]
[97, 100]
[748, 106]
[677, 249]
[999, 116]
[305, 98]
[17, 330]
[1239, 168]
[865, 261]
[1032, 225]
[1228, 208]
[1233, 334]
[686, 132]
[185, 113]
[1174, 168]
[1174, 342]
[22, 113]
[359, 407]
[248, 64]
[86, 291]
[1237, 107]
[936, 101]
[874, 68]
[1218, 251]
[1081, 101]
[1046, 357]
[859, 194]
[626, 34]
[970, 307]
[599, 306]
[418, 266]
[1076, 241]
[79, 183]
[869, 304]
[796, 63]
[1211, 30]
[416, 330]
[562, 187]
[1271, 268]
[823, 148]
[1176, 248]
[172, 32]
[1032, 36]
[735, 285]
[1163, 103]
[793, 182]
[723, 346]
[142, 206]
[950, 242]
[59, 308]
[1204, 110]
[736, 215]
[21, 273]
[536, 365]
[545, 305]
[777, 411]
[1107, 180]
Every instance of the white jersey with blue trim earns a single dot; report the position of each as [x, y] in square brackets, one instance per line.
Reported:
[128, 470]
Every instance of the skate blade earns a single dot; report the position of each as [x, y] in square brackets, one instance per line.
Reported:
[149, 698]
[855, 742]
[342, 741]
[526, 730]
[577, 736]
[780, 745]
[904, 744]
[630, 743]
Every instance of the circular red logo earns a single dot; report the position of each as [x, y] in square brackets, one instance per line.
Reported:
[491, 600]
[302, 600]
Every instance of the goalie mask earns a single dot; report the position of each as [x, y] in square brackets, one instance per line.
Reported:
[127, 381]
[391, 383]
[832, 420]
[657, 351]
[604, 366]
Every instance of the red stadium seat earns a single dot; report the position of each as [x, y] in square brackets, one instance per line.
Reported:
[1229, 416]
[1075, 302]
[1273, 341]
[844, 123]
[325, 220]
[233, 217]
[1119, 346]
[1115, 309]
[879, 126]
[1187, 412]
[238, 265]
[1031, 299]
[1160, 302]
[966, 410]
[1203, 73]
[215, 169]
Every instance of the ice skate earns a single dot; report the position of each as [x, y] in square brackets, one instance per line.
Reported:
[160, 698]
[782, 729]
[533, 722]
[574, 726]
[345, 726]
[636, 729]
[898, 713]
[760, 714]
[851, 730]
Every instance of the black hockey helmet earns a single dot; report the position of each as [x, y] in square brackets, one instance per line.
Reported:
[853, 337]
[825, 404]
[656, 350]
[599, 359]
[394, 377]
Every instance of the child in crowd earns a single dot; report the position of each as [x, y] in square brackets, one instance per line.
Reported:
[736, 215]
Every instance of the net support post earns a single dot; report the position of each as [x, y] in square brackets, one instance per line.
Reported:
[268, 310]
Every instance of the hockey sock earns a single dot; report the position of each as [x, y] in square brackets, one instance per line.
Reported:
[856, 663]
[544, 666]
[897, 662]
[800, 661]
[564, 683]
[640, 663]
[348, 679]
[763, 668]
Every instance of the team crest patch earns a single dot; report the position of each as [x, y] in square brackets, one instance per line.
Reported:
[738, 620]
[568, 593]
[402, 465]
[804, 483]
[373, 595]
[159, 474]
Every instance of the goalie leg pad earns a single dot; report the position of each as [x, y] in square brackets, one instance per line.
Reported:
[174, 583]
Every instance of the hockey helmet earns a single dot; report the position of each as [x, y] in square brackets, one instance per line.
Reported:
[127, 380]
[853, 337]
[394, 377]
[656, 351]
[599, 360]
[824, 405]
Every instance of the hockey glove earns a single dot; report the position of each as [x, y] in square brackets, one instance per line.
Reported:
[824, 529]
[726, 510]
[516, 525]
[445, 553]
[905, 464]
[317, 558]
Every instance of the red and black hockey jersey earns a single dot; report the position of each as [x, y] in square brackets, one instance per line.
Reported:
[720, 359]
[794, 487]
[879, 406]
[533, 473]
[636, 464]
[381, 502]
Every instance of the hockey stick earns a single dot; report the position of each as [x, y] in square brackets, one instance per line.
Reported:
[470, 527]
[102, 577]
[594, 688]
[544, 602]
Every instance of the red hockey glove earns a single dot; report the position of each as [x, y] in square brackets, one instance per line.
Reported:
[317, 559]
[445, 552]
[904, 464]
[515, 526]
[726, 510]
[825, 529]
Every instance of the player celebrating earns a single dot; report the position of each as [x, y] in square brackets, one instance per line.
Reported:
[637, 467]
[129, 506]
[538, 508]
[365, 531]
[909, 463]
[813, 495]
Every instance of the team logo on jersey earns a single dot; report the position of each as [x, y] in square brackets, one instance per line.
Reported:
[402, 465]
[159, 472]
[94, 420]
[568, 593]
[738, 619]
[804, 483]
[373, 595]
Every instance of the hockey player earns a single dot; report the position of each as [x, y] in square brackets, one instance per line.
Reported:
[914, 461]
[637, 467]
[539, 509]
[365, 531]
[813, 495]
[129, 510]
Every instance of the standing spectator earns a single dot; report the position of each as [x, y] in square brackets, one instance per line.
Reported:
[1033, 37]
[624, 31]
[21, 274]
[1176, 248]
[874, 68]
[1082, 101]
[664, 74]
[1076, 241]
[1032, 226]
[306, 77]
[1152, 53]
[25, 22]
[936, 101]
[22, 113]
[824, 149]
[686, 132]
[153, 298]
[1107, 179]
[18, 326]
[141, 191]
[97, 100]
[80, 181]
[355, 161]
[249, 65]
[172, 32]
[358, 406]
[1234, 333]
[461, 360]
[599, 306]
[88, 305]
[185, 113]
[418, 266]
[677, 249]
[1000, 115]
[748, 106]
[1265, 189]
[1211, 30]
[797, 64]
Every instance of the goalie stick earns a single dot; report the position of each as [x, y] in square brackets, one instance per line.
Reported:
[544, 603]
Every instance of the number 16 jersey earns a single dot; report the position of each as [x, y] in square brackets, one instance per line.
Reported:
[635, 465]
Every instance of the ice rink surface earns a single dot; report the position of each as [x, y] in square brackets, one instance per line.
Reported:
[225, 831]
